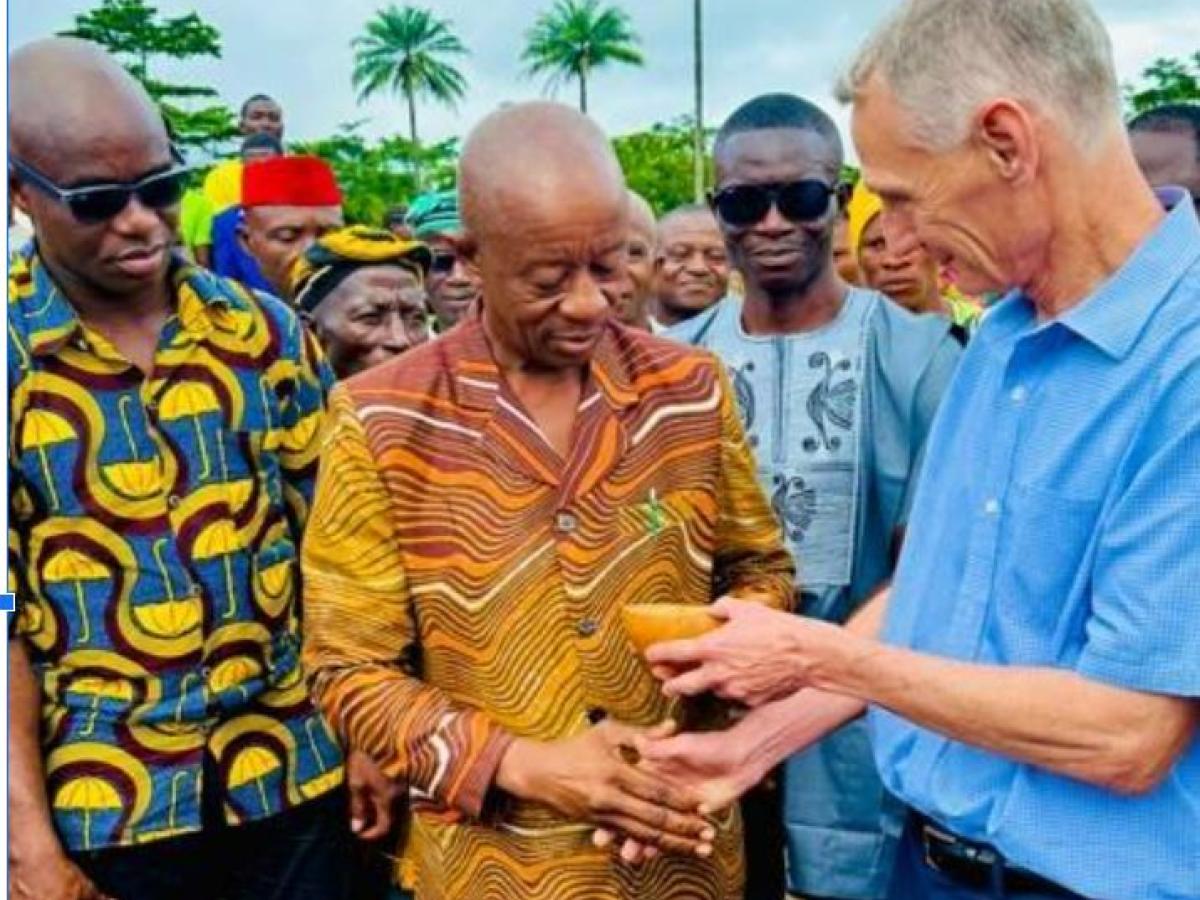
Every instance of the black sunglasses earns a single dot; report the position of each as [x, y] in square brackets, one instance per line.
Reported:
[96, 203]
[443, 262]
[742, 205]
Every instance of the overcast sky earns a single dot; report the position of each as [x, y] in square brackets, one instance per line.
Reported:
[299, 51]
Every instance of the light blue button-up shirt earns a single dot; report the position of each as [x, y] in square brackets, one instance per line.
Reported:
[1058, 524]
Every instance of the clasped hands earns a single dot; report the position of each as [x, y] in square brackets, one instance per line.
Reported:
[654, 789]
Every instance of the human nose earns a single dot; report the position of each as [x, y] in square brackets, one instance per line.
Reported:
[696, 263]
[900, 235]
[396, 337]
[136, 219]
[774, 221]
[588, 300]
[458, 272]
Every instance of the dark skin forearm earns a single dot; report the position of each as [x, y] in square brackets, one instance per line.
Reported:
[27, 802]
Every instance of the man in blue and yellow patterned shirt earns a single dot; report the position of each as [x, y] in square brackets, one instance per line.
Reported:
[163, 429]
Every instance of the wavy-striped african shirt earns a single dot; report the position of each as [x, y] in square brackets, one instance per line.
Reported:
[154, 527]
[463, 585]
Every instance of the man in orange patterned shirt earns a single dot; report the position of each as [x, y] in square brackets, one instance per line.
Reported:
[487, 505]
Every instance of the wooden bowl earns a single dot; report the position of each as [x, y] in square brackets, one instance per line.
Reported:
[653, 623]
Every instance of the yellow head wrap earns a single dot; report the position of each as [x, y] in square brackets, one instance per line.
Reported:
[864, 205]
[340, 253]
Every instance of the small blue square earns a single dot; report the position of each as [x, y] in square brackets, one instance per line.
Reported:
[8, 602]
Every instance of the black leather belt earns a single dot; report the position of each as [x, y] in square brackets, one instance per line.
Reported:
[977, 865]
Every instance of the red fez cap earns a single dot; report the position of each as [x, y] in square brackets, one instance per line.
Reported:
[289, 181]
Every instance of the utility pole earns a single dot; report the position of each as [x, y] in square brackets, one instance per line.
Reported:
[698, 149]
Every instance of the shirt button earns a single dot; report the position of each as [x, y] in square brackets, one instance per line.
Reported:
[566, 522]
[1019, 394]
[992, 507]
[588, 627]
[173, 501]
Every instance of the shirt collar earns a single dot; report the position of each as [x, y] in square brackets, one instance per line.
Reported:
[479, 381]
[1113, 317]
[51, 321]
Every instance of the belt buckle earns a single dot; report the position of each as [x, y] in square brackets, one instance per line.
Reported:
[928, 835]
[983, 857]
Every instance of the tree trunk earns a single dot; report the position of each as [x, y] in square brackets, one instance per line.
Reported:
[583, 76]
[412, 135]
[412, 115]
[698, 126]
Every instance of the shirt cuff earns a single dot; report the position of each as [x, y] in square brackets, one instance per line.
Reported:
[472, 791]
[1149, 674]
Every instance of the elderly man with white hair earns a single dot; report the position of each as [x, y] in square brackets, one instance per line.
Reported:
[1032, 679]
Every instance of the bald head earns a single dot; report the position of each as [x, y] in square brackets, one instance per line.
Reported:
[76, 117]
[68, 100]
[531, 156]
[545, 230]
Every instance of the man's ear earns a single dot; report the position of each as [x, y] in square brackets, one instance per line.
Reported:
[243, 237]
[311, 323]
[1007, 133]
[16, 191]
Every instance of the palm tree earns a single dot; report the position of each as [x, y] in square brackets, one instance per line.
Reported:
[405, 50]
[576, 37]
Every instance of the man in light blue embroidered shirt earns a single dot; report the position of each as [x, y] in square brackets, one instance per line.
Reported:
[1034, 675]
[837, 389]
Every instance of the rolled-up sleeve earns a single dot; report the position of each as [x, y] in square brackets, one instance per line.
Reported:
[360, 636]
[1144, 628]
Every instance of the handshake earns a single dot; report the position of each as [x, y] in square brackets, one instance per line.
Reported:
[629, 782]
[653, 789]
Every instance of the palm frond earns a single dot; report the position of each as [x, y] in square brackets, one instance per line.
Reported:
[408, 51]
[575, 37]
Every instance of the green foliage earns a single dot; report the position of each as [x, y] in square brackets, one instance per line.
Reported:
[1165, 81]
[576, 37]
[129, 28]
[658, 163]
[135, 34]
[404, 51]
[374, 176]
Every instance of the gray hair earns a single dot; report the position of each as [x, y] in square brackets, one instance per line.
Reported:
[944, 58]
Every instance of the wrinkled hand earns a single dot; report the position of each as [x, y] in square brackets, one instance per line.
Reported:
[714, 765]
[373, 797]
[53, 878]
[591, 778]
[757, 656]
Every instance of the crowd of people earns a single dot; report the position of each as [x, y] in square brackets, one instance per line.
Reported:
[321, 533]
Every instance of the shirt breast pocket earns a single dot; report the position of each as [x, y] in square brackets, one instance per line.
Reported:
[1046, 550]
